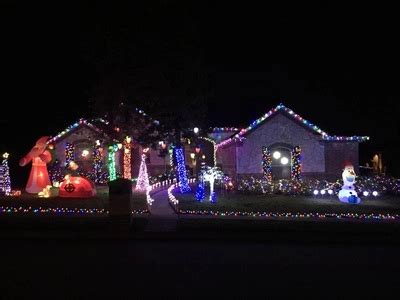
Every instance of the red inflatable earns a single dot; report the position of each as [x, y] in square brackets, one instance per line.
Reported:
[39, 177]
[77, 187]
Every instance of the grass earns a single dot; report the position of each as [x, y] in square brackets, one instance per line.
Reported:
[100, 201]
[280, 203]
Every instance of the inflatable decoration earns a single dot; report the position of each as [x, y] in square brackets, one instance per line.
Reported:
[348, 194]
[39, 177]
[77, 187]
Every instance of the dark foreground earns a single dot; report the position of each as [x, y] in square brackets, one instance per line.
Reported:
[140, 269]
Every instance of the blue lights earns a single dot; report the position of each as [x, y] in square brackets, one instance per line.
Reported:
[181, 168]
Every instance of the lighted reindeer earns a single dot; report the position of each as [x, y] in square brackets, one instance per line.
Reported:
[39, 177]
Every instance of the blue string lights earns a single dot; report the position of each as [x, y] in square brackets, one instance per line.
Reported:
[181, 169]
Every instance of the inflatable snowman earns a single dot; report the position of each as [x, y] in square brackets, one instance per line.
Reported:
[348, 194]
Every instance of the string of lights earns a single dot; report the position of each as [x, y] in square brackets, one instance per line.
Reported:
[297, 215]
[296, 163]
[182, 176]
[214, 149]
[5, 180]
[60, 210]
[143, 177]
[267, 164]
[298, 118]
[69, 153]
[127, 158]
[111, 162]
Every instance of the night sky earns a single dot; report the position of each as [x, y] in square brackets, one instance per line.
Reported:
[335, 66]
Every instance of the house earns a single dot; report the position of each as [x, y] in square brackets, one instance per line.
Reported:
[78, 142]
[278, 133]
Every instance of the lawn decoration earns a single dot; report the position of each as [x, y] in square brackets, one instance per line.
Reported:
[39, 177]
[77, 187]
[348, 194]
[5, 181]
[45, 193]
[208, 174]
[143, 184]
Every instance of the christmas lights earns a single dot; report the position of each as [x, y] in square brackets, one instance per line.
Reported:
[74, 126]
[127, 158]
[98, 176]
[69, 153]
[208, 174]
[200, 193]
[267, 164]
[298, 118]
[296, 163]
[182, 176]
[5, 181]
[214, 149]
[61, 210]
[291, 215]
[111, 162]
[143, 177]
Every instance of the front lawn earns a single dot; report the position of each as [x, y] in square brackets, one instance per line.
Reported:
[233, 202]
[100, 201]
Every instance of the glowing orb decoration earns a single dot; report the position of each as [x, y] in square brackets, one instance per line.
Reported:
[73, 165]
[284, 160]
[192, 155]
[375, 193]
[85, 153]
[316, 192]
[196, 130]
[323, 192]
[366, 193]
[5, 155]
[276, 155]
[330, 192]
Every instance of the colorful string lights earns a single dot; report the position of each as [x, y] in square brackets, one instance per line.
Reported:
[5, 181]
[298, 118]
[267, 164]
[214, 149]
[296, 163]
[69, 153]
[127, 158]
[182, 176]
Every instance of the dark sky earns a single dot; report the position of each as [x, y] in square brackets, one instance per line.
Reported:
[336, 66]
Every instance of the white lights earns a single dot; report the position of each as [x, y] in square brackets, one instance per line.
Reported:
[284, 160]
[85, 153]
[330, 192]
[192, 155]
[316, 192]
[277, 155]
[366, 193]
[375, 193]
[323, 192]
[196, 130]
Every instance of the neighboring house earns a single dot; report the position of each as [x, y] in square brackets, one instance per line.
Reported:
[82, 136]
[280, 130]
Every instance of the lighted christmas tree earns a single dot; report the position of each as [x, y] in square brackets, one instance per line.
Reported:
[143, 177]
[5, 181]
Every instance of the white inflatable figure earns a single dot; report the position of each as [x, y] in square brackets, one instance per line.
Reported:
[348, 194]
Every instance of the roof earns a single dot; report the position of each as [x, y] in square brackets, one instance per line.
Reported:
[282, 108]
[75, 126]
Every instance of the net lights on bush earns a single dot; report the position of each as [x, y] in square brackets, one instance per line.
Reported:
[296, 163]
[267, 163]
[181, 169]
[143, 184]
[5, 181]
[127, 158]
[298, 118]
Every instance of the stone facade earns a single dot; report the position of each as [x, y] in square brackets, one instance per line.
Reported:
[320, 158]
